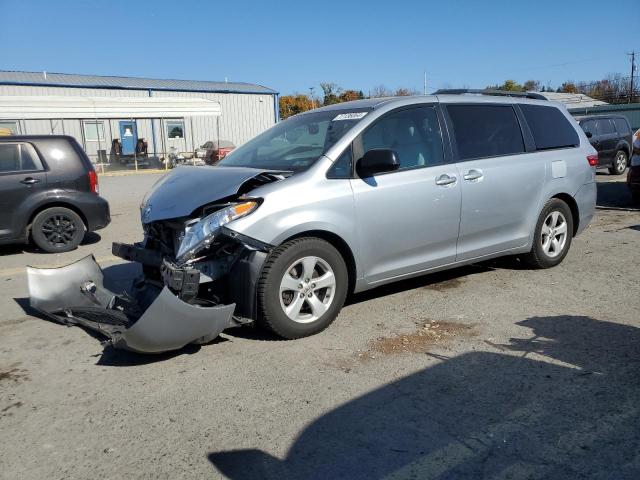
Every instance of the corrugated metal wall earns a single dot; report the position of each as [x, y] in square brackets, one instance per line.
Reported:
[243, 117]
[631, 111]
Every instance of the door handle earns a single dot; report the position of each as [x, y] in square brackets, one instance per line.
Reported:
[445, 179]
[30, 181]
[472, 175]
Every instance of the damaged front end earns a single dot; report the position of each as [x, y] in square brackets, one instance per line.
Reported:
[199, 277]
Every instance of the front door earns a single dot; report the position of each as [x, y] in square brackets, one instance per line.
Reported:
[128, 136]
[21, 174]
[500, 183]
[407, 220]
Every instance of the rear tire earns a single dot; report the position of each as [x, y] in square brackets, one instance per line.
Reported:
[620, 162]
[302, 288]
[553, 234]
[57, 229]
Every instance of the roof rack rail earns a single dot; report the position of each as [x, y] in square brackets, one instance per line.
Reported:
[504, 93]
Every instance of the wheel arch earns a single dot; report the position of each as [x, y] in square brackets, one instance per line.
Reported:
[624, 146]
[573, 206]
[339, 244]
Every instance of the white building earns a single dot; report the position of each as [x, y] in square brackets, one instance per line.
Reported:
[165, 113]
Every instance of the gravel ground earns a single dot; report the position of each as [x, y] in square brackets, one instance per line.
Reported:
[489, 371]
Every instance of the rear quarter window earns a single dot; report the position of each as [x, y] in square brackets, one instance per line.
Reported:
[549, 127]
[622, 126]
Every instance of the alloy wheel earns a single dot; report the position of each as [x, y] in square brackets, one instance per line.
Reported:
[59, 230]
[621, 163]
[554, 234]
[307, 289]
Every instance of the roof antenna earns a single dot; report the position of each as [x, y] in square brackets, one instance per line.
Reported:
[44, 74]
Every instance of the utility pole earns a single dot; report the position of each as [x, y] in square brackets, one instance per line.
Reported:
[633, 71]
[425, 82]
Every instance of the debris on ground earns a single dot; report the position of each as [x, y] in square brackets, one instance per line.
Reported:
[429, 334]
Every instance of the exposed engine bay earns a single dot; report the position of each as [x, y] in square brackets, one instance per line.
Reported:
[199, 277]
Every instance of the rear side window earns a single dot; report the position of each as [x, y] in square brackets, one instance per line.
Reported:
[589, 126]
[485, 130]
[605, 126]
[622, 126]
[549, 127]
[18, 157]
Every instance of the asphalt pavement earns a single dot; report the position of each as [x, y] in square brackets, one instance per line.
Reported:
[488, 371]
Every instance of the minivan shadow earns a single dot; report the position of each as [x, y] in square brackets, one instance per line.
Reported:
[439, 281]
[615, 195]
[560, 404]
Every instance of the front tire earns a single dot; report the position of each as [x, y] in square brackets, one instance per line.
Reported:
[620, 162]
[302, 288]
[553, 234]
[57, 230]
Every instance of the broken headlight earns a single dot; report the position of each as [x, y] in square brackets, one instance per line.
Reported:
[200, 234]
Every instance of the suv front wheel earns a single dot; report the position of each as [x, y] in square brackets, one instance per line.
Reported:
[620, 162]
[302, 287]
[552, 239]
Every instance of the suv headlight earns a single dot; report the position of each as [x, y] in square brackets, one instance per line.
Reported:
[200, 235]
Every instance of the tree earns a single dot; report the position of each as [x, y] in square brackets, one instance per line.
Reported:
[331, 93]
[568, 87]
[532, 86]
[405, 92]
[380, 91]
[294, 104]
[350, 95]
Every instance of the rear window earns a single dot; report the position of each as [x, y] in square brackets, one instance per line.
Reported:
[549, 127]
[622, 126]
[485, 130]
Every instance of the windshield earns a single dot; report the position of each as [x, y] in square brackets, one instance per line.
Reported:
[296, 143]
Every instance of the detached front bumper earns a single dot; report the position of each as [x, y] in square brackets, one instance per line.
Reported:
[149, 320]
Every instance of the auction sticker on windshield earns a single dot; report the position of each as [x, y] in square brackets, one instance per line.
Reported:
[350, 116]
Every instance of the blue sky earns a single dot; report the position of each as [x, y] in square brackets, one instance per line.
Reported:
[293, 45]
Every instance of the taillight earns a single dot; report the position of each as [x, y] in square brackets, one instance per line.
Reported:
[593, 160]
[93, 182]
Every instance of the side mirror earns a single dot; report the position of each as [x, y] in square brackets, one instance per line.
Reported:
[378, 160]
[589, 134]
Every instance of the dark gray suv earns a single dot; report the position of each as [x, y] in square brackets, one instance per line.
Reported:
[611, 136]
[48, 192]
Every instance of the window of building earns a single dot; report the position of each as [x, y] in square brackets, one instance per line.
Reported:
[549, 127]
[622, 126]
[93, 131]
[605, 126]
[175, 128]
[9, 127]
[414, 134]
[18, 157]
[485, 130]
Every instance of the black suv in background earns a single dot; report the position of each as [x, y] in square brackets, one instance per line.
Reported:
[48, 192]
[611, 136]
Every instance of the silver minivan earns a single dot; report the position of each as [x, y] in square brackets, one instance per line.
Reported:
[337, 200]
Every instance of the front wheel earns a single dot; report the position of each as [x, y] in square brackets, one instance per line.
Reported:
[620, 163]
[302, 288]
[553, 234]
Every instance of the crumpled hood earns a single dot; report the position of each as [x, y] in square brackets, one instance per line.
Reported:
[184, 189]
